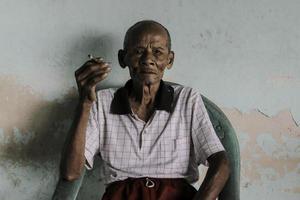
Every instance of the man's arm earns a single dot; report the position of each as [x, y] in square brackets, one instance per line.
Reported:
[87, 76]
[73, 159]
[216, 177]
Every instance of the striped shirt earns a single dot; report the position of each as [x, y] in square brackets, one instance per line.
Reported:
[171, 144]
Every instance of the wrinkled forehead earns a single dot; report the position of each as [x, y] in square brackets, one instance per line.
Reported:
[148, 38]
[146, 34]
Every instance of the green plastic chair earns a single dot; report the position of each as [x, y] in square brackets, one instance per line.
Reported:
[227, 136]
[68, 190]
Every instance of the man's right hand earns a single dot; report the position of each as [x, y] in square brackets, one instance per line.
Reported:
[88, 75]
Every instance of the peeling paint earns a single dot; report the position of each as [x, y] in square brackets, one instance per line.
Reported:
[294, 190]
[271, 147]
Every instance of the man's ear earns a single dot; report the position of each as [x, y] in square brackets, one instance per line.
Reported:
[170, 59]
[121, 58]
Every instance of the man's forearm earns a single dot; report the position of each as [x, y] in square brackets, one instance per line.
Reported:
[216, 177]
[73, 159]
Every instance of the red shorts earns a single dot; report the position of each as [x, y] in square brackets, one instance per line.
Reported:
[150, 189]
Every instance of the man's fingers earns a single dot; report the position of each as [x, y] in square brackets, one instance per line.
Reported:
[88, 89]
[90, 73]
[93, 61]
[91, 76]
[91, 57]
[92, 69]
[83, 67]
[98, 59]
[95, 79]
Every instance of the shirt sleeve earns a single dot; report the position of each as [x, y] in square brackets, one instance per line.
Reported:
[92, 137]
[205, 139]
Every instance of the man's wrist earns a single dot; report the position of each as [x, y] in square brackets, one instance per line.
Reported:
[85, 105]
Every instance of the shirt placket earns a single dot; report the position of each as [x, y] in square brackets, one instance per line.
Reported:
[143, 136]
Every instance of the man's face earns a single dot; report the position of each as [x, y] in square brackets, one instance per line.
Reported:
[147, 55]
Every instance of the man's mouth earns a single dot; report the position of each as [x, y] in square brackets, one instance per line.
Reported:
[147, 72]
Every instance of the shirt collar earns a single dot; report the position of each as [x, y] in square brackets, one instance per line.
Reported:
[163, 100]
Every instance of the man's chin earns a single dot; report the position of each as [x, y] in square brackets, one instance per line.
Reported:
[149, 81]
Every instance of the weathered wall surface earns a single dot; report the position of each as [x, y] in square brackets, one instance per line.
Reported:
[270, 153]
[243, 55]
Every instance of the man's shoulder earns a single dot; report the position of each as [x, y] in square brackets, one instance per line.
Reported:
[185, 91]
[106, 94]
[107, 91]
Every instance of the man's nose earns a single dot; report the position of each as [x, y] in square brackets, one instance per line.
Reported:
[147, 59]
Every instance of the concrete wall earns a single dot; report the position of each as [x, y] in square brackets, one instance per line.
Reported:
[243, 55]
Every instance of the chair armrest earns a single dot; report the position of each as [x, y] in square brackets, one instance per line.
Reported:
[227, 136]
[68, 190]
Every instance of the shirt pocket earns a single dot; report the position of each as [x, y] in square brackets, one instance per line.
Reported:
[175, 151]
[167, 151]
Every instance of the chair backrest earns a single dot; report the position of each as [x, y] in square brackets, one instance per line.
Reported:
[228, 137]
[68, 190]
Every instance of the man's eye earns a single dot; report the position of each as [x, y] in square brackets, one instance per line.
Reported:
[138, 51]
[157, 52]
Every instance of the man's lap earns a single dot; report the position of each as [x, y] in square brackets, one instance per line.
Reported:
[149, 189]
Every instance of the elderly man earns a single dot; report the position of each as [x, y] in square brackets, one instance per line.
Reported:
[150, 135]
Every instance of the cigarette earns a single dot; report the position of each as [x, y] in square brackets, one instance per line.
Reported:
[90, 56]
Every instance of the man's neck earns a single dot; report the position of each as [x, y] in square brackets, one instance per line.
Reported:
[142, 99]
[144, 94]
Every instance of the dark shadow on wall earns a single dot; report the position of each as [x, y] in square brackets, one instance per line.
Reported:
[43, 130]
[98, 46]
[34, 138]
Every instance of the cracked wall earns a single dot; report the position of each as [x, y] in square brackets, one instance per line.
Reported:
[269, 152]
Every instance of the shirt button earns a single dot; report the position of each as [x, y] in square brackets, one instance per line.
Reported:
[113, 175]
